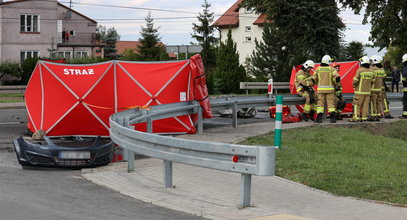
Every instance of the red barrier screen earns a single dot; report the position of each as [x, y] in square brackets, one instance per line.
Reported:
[66, 100]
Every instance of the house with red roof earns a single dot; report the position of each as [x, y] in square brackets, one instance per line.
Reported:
[246, 26]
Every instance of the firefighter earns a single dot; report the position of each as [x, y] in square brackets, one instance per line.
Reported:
[362, 83]
[339, 99]
[404, 81]
[326, 77]
[379, 88]
[304, 84]
[376, 97]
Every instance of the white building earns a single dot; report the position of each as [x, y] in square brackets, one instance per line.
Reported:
[246, 26]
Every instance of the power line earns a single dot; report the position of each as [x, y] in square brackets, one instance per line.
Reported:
[160, 10]
[70, 2]
[131, 7]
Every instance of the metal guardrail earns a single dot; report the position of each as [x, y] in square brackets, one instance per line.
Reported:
[12, 89]
[286, 85]
[263, 85]
[243, 159]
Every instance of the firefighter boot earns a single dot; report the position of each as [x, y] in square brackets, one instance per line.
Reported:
[332, 116]
[304, 116]
[319, 118]
[311, 115]
[388, 116]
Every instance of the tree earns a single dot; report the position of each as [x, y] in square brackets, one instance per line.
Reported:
[354, 51]
[388, 20]
[10, 68]
[53, 50]
[129, 54]
[228, 70]
[204, 34]
[150, 49]
[271, 58]
[309, 27]
[109, 37]
[394, 56]
[27, 67]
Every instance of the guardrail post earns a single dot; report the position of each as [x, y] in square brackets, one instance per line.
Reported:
[125, 151]
[149, 124]
[167, 164]
[245, 190]
[200, 120]
[234, 114]
[278, 123]
[167, 174]
[128, 153]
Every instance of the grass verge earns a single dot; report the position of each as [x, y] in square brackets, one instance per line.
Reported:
[367, 161]
[11, 98]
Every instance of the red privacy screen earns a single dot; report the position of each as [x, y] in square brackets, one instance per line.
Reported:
[65, 100]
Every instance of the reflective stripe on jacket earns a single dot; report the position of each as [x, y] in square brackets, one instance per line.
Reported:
[303, 78]
[363, 80]
[325, 79]
[379, 75]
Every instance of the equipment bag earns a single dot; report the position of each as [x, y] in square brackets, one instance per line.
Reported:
[273, 109]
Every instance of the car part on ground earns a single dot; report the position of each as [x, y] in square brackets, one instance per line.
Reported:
[64, 152]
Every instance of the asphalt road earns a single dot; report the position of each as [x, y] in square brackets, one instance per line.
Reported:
[50, 194]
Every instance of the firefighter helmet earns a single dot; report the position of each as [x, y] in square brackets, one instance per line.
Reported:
[404, 58]
[376, 59]
[364, 60]
[326, 59]
[309, 63]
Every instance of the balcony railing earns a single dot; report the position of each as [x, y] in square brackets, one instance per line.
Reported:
[77, 39]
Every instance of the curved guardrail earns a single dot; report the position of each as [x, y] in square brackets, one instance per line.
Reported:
[243, 159]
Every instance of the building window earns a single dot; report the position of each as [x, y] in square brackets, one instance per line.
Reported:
[248, 28]
[28, 54]
[248, 39]
[248, 10]
[29, 23]
[64, 54]
[81, 54]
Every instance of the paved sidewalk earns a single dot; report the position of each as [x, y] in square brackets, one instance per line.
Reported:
[215, 194]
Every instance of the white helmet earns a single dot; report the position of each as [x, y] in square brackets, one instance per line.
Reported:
[309, 63]
[364, 60]
[376, 59]
[326, 59]
[404, 58]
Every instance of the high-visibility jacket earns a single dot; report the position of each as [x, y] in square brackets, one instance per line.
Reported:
[303, 79]
[325, 79]
[363, 81]
[379, 75]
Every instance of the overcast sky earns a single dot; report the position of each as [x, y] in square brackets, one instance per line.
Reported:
[176, 27]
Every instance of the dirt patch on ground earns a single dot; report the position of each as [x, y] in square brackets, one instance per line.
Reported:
[396, 129]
